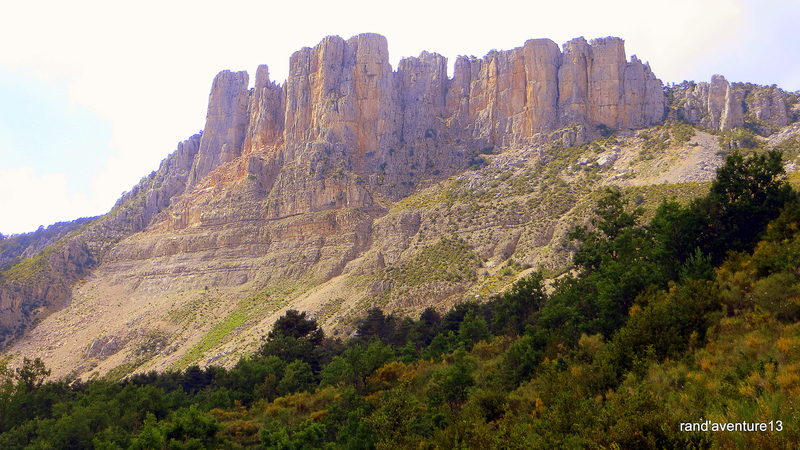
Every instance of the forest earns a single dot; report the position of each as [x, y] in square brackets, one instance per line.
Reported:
[659, 329]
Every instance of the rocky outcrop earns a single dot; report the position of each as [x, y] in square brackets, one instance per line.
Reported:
[644, 101]
[769, 105]
[345, 110]
[226, 123]
[543, 61]
[599, 88]
[511, 97]
[275, 164]
[345, 128]
[766, 107]
[422, 84]
[266, 114]
[713, 105]
[723, 106]
[41, 285]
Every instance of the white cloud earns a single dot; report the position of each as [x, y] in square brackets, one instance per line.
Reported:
[28, 201]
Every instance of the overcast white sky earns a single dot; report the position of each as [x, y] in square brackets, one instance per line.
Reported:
[94, 94]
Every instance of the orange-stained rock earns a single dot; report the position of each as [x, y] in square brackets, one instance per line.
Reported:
[606, 71]
[266, 114]
[573, 83]
[542, 60]
[344, 111]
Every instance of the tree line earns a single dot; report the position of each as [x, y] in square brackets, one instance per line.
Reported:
[615, 354]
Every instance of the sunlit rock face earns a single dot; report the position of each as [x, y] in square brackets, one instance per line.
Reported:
[291, 185]
[285, 181]
[344, 109]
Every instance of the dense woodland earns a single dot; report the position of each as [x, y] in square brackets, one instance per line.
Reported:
[690, 317]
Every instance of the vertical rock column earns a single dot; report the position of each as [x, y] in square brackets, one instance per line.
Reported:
[459, 93]
[733, 112]
[422, 84]
[265, 127]
[512, 124]
[542, 60]
[265, 131]
[713, 105]
[606, 73]
[643, 99]
[573, 83]
[498, 99]
[226, 124]
[717, 100]
[328, 89]
[377, 111]
[340, 93]
[297, 114]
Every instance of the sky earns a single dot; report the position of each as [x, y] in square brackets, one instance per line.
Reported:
[94, 94]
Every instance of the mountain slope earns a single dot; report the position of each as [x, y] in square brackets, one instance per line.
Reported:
[349, 185]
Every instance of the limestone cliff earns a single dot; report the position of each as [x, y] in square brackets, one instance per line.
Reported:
[337, 179]
[713, 105]
[767, 108]
[344, 109]
[226, 123]
[265, 112]
[724, 106]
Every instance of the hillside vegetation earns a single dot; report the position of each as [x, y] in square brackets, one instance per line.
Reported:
[492, 225]
[690, 317]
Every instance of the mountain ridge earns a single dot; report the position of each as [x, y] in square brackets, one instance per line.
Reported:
[308, 186]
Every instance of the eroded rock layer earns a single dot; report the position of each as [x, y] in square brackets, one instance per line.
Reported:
[285, 181]
[345, 128]
[292, 190]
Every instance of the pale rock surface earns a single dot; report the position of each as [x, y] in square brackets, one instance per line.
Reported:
[226, 123]
[266, 114]
[768, 106]
[542, 61]
[459, 94]
[723, 106]
[712, 105]
[643, 95]
[573, 83]
[422, 86]
[606, 78]
[597, 87]
[290, 186]
[606, 160]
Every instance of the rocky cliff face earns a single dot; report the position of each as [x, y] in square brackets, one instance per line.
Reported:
[266, 114]
[41, 285]
[723, 106]
[767, 108]
[226, 123]
[344, 109]
[345, 128]
[301, 191]
[712, 105]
